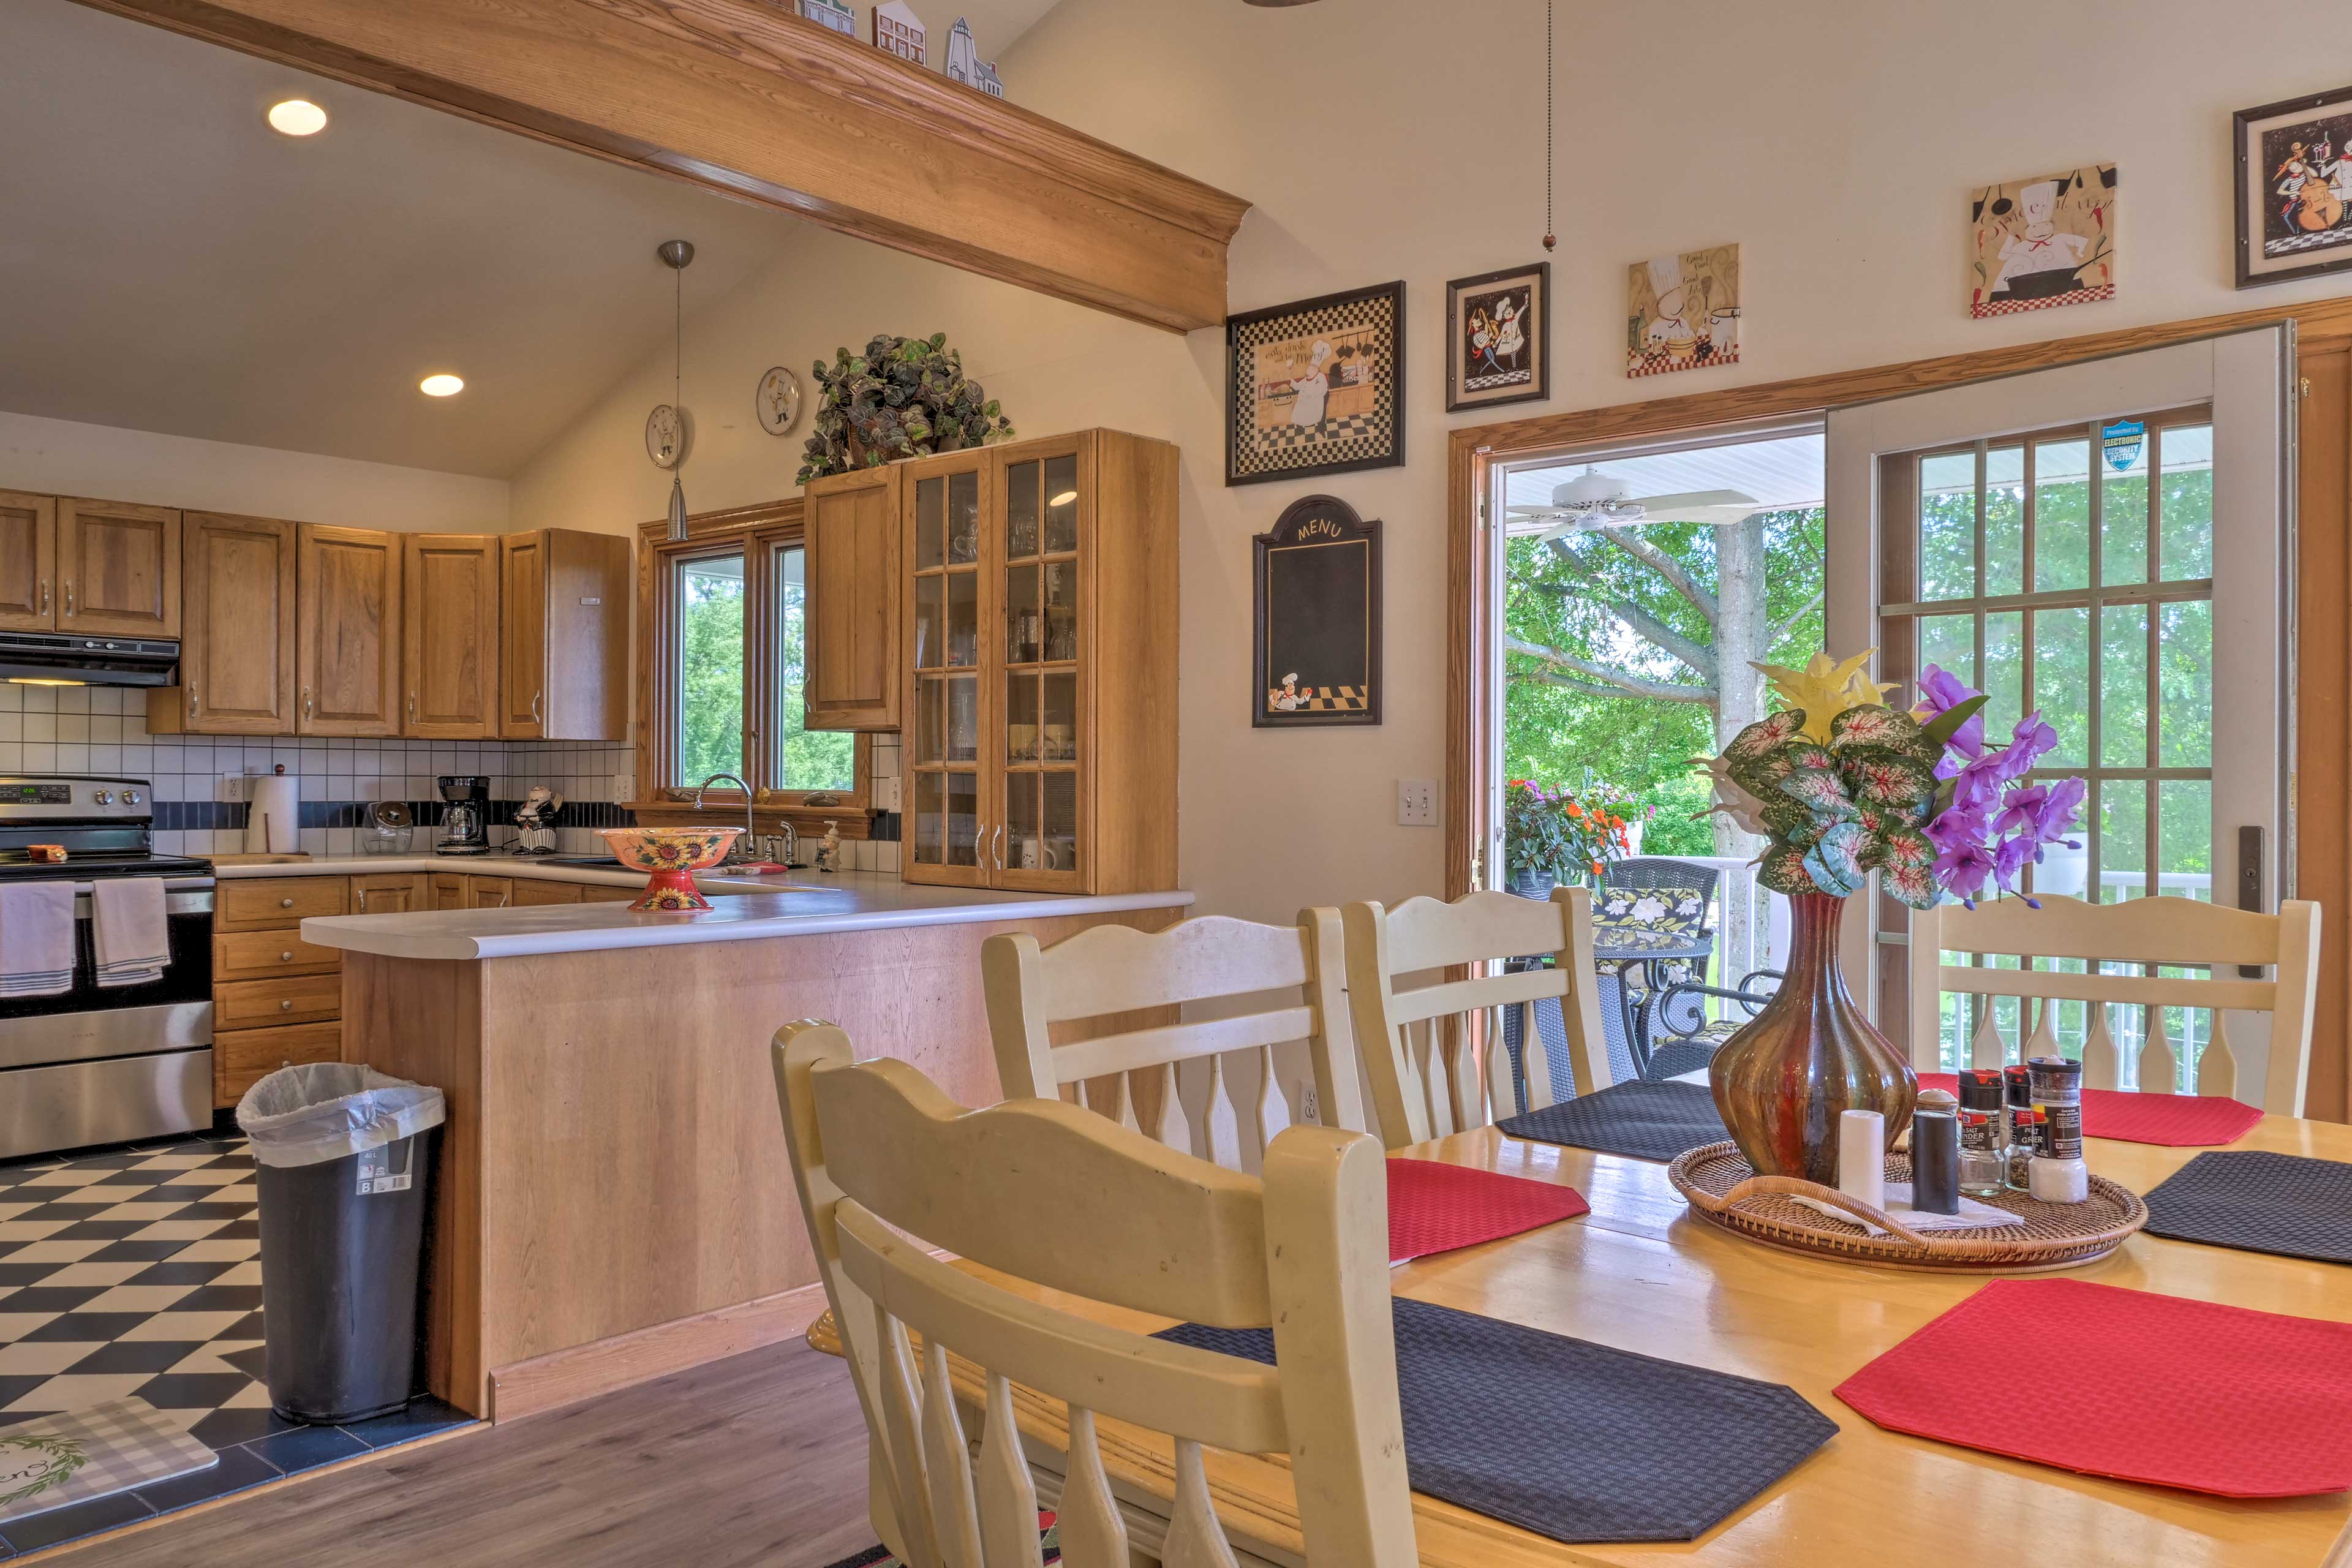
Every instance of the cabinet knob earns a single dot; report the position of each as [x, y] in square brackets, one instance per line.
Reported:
[285, 903]
[287, 1005]
[286, 957]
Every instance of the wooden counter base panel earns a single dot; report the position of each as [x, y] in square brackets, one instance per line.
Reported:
[614, 1170]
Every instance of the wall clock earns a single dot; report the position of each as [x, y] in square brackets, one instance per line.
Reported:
[666, 435]
[778, 401]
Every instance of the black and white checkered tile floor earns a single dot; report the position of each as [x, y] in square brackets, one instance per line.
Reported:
[137, 1272]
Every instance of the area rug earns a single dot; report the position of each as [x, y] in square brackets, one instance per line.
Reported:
[879, 1556]
[110, 1448]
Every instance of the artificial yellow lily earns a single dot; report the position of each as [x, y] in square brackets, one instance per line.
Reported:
[1824, 689]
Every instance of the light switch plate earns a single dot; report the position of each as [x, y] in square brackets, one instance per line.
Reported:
[886, 794]
[1416, 803]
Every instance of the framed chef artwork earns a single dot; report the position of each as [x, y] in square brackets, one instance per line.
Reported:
[2295, 188]
[1316, 387]
[1316, 659]
[1683, 311]
[1498, 338]
[2038, 243]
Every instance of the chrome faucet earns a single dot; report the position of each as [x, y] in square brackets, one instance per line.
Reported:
[744, 847]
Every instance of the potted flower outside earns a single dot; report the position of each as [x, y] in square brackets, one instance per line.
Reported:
[1549, 837]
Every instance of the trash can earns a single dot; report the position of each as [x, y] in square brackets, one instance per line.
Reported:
[344, 1166]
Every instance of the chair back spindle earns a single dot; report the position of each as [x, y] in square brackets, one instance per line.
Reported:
[1286, 982]
[1432, 1051]
[1067, 1201]
[2150, 934]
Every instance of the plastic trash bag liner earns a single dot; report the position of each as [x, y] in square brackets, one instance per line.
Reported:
[316, 1111]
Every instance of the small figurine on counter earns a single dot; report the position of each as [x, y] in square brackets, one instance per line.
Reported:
[535, 820]
[828, 853]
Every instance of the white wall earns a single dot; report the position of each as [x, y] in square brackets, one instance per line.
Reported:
[1380, 138]
[60, 456]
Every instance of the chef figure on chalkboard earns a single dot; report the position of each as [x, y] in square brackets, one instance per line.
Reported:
[1289, 698]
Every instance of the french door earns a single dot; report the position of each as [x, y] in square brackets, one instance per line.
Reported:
[2108, 545]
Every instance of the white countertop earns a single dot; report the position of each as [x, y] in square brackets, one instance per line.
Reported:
[536, 869]
[810, 904]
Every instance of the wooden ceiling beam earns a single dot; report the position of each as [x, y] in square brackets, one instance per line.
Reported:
[746, 98]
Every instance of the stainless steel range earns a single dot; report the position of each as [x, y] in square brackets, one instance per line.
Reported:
[91, 1065]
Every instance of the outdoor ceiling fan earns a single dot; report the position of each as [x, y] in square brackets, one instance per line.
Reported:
[1594, 501]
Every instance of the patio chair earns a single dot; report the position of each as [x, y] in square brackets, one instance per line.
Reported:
[1650, 947]
[1683, 1038]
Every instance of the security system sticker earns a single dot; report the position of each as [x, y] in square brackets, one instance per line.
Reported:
[2122, 441]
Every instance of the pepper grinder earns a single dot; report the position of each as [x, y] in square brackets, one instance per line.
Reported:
[1936, 1154]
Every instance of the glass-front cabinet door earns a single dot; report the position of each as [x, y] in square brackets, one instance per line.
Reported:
[1043, 643]
[950, 803]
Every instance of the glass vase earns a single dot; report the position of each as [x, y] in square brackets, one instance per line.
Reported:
[1782, 1081]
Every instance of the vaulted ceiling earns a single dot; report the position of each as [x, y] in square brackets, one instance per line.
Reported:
[168, 263]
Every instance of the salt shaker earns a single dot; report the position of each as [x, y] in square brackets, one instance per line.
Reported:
[2058, 1175]
[1861, 1157]
[1936, 1154]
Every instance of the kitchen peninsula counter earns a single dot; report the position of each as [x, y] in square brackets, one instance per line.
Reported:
[613, 1199]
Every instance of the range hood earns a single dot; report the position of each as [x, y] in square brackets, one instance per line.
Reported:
[88, 661]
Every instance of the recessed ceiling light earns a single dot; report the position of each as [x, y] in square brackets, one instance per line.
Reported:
[297, 117]
[441, 385]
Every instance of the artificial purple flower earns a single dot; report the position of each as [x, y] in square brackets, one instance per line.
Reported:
[1976, 783]
[1962, 870]
[2029, 742]
[2043, 811]
[2009, 859]
[1940, 690]
[1957, 827]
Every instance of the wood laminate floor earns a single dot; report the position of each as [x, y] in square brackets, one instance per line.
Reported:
[759, 1459]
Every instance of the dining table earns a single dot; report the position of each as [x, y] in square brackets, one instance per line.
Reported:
[1643, 1273]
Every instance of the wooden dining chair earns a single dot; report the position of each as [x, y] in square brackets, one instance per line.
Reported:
[1109, 975]
[1420, 1044]
[1063, 1200]
[2152, 932]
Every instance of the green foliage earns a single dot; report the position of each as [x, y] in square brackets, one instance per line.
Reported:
[709, 676]
[813, 759]
[1551, 830]
[1573, 738]
[903, 398]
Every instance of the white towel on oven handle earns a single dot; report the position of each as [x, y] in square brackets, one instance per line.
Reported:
[127, 931]
[36, 938]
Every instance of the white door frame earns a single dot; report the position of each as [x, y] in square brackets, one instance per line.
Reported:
[2247, 377]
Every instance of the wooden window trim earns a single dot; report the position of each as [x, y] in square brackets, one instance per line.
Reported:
[754, 531]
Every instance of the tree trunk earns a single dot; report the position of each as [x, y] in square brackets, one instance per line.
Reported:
[1740, 629]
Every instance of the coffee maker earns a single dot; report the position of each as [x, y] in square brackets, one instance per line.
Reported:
[465, 815]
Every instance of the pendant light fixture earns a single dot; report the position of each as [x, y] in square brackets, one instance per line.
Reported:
[676, 255]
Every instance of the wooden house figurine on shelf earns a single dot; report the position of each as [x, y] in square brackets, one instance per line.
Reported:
[834, 13]
[964, 64]
[898, 31]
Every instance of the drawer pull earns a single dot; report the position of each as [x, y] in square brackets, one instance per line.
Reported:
[285, 903]
[287, 1005]
[286, 957]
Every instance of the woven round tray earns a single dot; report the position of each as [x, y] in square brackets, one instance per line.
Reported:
[1723, 1189]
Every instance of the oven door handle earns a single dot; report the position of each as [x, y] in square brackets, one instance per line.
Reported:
[176, 902]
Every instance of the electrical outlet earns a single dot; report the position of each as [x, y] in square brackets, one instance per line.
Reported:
[886, 794]
[1416, 803]
[230, 789]
[1310, 1104]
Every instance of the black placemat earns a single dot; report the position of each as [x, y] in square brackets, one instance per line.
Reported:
[1575, 1441]
[2255, 1202]
[1646, 1120]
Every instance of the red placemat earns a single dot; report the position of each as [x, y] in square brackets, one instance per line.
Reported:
[1436, 1207]
[2126, 1383]
[2181, 1120]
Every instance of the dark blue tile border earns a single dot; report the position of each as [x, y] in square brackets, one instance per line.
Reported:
[70, 1523]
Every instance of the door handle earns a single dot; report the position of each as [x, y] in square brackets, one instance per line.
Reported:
[996, 846]
[412, 702]
[309, 706]
[2250, 883]
[534, 707]
[192, 699]
[69, 604]
[45, 595]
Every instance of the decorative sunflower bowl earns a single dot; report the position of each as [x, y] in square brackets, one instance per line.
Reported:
[671, 855]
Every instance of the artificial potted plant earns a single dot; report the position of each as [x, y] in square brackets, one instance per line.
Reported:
[903, 398]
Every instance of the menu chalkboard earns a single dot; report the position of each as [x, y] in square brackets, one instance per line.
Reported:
[1317, 621]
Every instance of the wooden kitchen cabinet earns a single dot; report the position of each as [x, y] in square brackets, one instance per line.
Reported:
[529, 891]
[236, 629]
[449, 639]
[29, 561]
[243, 1057]
[347, 631]
[449, 891]
[1039, 629]
[489, 892]
[564, 635]
[118, 569]
[850, 534]
[272, 903]
[388, 893]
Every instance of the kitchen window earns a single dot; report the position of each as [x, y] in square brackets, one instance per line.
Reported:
[725, 616]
